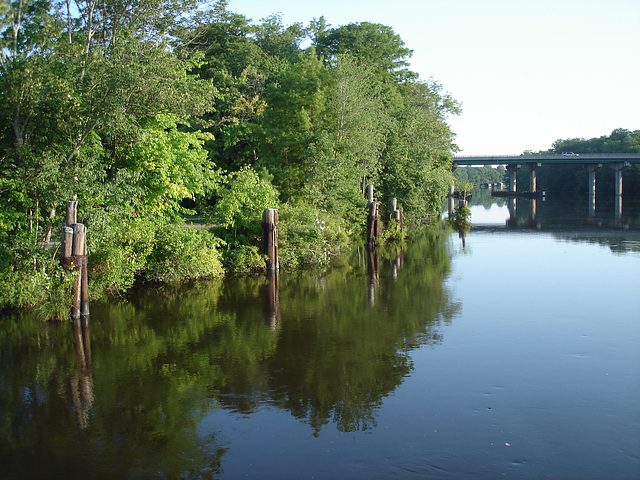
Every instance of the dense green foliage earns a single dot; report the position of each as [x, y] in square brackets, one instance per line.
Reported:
[574, 178]
[138, 110]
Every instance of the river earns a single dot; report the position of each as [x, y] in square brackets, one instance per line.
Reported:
[512, 354]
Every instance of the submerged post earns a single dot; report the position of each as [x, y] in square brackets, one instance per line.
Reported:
[270, 225]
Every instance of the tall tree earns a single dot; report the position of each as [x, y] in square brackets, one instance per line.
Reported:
[92, 104]
[74, 80]
[372, 43]
[296, 100]
[346, 154]
[417, 163]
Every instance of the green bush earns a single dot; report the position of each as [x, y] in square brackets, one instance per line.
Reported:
[237, 213]
[309, 236]
[31, 277]
[180, 253]
[118, 253]
[154, 250]
[243, 258]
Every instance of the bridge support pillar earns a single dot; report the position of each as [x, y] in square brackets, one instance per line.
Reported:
[512, 169]
[591, 168]
[617, 167]
[533, 182]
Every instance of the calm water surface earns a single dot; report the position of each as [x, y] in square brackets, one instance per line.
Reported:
[513, 354]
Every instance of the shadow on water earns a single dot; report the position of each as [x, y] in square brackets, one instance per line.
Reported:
[124, 399]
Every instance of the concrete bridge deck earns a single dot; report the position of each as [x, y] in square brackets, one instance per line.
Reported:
[590, 161]
[548, 158]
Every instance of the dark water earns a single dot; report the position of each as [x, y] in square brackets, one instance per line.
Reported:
[513, 355]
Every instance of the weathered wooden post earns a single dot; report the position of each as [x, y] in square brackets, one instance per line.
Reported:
[270, 225]
[370, 193]
[72, 213]
[84, 276]
[398, 216]
[372, 224]
[372, 218]
[74, 257]
[80, 304]
[66, 250]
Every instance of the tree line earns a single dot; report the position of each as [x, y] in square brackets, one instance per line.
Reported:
[150, 112]
[479, 175]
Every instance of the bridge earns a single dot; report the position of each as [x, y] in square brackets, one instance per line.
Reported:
[590, 161]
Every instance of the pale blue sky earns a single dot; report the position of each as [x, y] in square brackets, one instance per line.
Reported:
[527, 72]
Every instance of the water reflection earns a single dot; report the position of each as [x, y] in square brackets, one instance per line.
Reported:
[564, 216]
[527, 213]
[554, 210]
[128, 396]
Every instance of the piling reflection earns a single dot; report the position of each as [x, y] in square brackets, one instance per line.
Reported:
[81, 381]
[618, 209]
[373, 270]
[532, 221]
[397, 263]
[512, 221]
[271, 300]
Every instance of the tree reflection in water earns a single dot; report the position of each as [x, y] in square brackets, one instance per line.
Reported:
[315, 345]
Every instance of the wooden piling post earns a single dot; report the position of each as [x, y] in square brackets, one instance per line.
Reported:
[394, 204]
[398, 216]
[80, 304]
[370, 193]
[270, 226]
[66, 250]
[372, 224]
[74, 257]
[72, 213]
